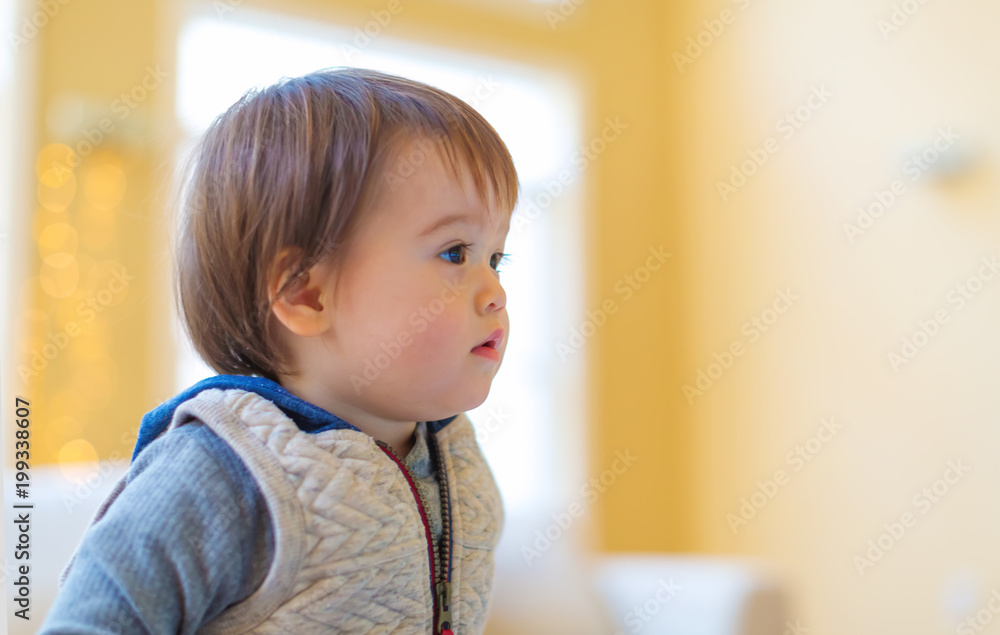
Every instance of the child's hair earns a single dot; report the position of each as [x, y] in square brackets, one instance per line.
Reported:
[294, 166]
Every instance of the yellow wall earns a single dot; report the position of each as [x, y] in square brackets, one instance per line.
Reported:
[827, 356]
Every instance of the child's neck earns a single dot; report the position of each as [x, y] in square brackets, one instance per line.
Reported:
[403, 450]
[398, 435]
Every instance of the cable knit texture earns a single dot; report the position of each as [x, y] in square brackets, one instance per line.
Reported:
[351, 554]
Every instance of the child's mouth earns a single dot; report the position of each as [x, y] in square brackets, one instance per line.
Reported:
[488, 349]
[493, 340]
[488, 352]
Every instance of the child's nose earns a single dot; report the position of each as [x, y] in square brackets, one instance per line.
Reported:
[490, 295]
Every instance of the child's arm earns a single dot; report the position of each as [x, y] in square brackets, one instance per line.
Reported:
[189, 535]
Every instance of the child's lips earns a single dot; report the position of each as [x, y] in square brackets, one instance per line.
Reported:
[493, 341]
[487, 352]
[490, 348]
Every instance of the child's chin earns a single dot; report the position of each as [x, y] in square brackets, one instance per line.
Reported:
[485, 395]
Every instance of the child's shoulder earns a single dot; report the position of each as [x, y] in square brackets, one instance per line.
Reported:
[248, 397]
[189, 509]
[191, 456]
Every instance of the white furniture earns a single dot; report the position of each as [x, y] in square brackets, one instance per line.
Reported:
[564, 591]
[660, 594]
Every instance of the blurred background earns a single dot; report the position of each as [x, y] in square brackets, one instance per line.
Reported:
[753, 291]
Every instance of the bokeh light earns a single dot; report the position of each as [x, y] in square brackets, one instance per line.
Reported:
[59, 197]
[74, 455]
[66, 310]
[60, 427]
[59, 275]
[57, 238]
[97, 228]
[54, 164]
[42, 218]
[104, 186]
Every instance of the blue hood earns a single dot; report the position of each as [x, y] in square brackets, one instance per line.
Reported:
[308, 417]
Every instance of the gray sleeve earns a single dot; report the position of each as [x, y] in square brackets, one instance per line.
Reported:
[188, 536]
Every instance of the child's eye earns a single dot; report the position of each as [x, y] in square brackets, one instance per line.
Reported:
[504, 259]
[459, 251]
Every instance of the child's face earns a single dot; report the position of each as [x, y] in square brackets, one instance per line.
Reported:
[413, 304]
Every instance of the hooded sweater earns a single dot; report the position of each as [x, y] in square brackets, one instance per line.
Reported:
[247, 509]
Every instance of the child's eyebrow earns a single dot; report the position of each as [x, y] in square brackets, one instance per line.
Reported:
[459, 218]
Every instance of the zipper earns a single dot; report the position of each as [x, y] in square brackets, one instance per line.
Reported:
[440, 588]
[444, 624]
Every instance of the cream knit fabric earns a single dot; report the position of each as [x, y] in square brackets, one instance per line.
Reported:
[350, 549]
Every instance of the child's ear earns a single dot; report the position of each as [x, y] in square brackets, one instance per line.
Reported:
[299, 307]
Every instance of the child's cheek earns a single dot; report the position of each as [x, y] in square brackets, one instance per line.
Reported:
[441, 333]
